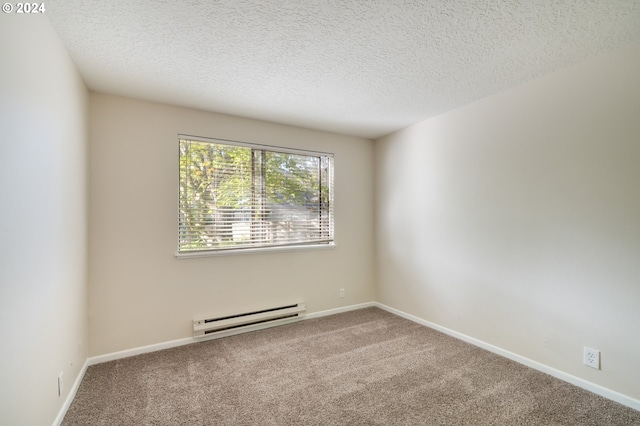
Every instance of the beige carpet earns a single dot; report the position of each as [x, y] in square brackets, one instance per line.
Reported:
[365, 367]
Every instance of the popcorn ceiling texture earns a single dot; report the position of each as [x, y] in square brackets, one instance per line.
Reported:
[365, 68]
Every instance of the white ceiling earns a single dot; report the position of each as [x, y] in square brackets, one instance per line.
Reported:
[359, 67]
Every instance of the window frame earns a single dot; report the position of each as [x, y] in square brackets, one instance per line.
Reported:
[331, 243]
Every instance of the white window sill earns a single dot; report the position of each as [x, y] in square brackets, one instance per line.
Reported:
[255, 250]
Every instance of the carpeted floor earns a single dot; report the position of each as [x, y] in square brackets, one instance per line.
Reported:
[365, 367]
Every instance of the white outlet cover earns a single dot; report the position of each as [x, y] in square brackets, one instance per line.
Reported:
[592, 358]
[60, 384]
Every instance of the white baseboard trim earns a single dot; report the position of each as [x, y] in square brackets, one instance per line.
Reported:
[339, 310]
[140, 350]
[188, 340]
[72, 394]
[577, 381]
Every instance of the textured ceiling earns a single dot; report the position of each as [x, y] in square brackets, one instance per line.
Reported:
[360, 67]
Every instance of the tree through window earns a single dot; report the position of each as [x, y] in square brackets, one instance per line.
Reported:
[237, 195]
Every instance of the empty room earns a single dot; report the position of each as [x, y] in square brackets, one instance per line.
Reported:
[384, 212]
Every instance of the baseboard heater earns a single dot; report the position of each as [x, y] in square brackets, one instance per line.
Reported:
[248, 321]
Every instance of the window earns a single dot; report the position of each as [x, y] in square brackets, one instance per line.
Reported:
[236, 196]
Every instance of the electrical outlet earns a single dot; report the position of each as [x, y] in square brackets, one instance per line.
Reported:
[60, 383]
[592, 358]
[342, 292]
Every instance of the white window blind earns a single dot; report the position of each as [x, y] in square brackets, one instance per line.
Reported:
[237, 196]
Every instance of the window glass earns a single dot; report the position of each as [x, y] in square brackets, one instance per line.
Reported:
[236, 196]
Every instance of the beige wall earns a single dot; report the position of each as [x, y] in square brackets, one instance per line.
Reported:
[516, 220]
[43, 261]
[140, 294]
